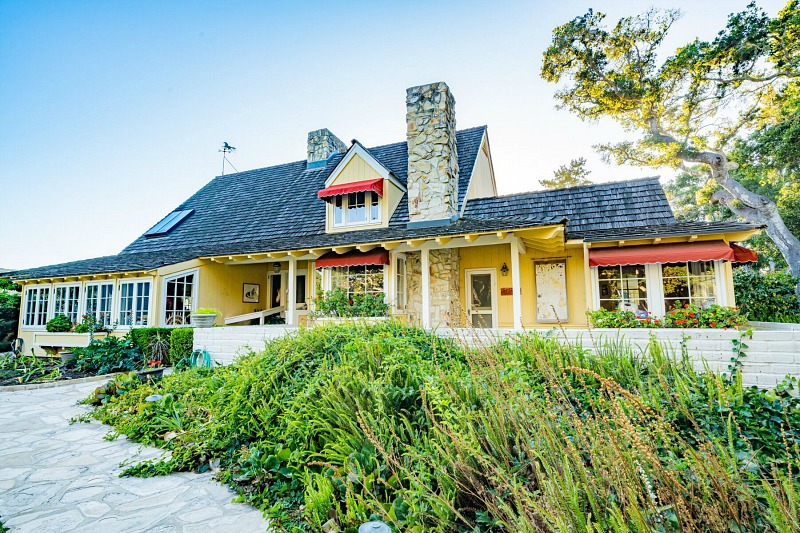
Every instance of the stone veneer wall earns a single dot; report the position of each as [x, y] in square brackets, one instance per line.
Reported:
[445, 295]
[432, 153]
[322, 144]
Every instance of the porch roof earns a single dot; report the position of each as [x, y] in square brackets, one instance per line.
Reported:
[676, 229]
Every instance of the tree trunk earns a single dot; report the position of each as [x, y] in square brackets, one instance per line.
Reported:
[757, 208]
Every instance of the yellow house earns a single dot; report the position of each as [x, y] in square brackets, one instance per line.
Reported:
[418, 223]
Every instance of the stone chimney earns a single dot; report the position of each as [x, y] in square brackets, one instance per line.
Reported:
[322, 144]
[432, 155]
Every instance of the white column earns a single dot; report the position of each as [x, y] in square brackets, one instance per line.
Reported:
[426, 288]
[291, 308]
[516, 285]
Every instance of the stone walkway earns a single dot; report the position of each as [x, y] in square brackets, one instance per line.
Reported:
[58, 477]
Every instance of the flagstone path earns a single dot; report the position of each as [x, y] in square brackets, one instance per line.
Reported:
[57, 477]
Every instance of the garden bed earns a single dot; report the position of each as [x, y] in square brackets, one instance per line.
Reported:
[29, 370]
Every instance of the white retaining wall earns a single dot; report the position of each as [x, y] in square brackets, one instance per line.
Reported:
[769, 356]
[224, 344]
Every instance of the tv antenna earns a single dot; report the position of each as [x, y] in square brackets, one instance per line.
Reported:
[227, 149]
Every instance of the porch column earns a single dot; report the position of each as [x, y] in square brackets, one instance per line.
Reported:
[516, 285]
[426, 288]
[291, 308]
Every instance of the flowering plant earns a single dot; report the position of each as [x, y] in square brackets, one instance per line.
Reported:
[682, 316]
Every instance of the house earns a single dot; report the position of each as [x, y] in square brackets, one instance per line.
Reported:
[419, 221]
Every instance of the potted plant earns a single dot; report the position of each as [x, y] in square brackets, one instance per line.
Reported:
[59, 324]
[204, 317]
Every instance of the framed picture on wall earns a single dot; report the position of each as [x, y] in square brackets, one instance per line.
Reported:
[251, 293]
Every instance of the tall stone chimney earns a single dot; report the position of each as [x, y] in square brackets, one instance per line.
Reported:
[322, 144]
[432, 155]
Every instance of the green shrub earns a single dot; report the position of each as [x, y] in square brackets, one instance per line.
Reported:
[684, 316]
[111, 354]
[767, 296]
[180, 344]
[338, 303]
[152, 342]
[9, 316]
[58, 324]
[357, 422]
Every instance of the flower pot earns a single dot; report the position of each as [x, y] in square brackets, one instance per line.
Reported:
[150, 374]
[202, 320]
[67, 356]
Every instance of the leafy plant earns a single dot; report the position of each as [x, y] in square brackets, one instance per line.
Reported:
[181, 344]
[683, 316]
[144, 339]
[767, 296]
[58, 324]
[338, 303]
[207, 311]
[111, 354]
[89, 324]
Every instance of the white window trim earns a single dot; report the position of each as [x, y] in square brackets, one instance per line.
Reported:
[367, 208]
[163, 297]
[396, 257]
[723, 298]
[84, 292]
[51, 312]
[23, 307]
[327, 280]
[495, 300]
[118, 302]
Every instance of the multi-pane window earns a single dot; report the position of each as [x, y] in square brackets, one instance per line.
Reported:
[98, 300]
[400, 297]
[179, 297]
[363, 279]
[623, 287]
[686, 283]
[356, 208]
[134, 303]
[66, 301]
[36, 302]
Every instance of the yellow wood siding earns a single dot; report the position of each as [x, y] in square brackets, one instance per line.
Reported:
[221, 287]
[494, 257]
[482, 183]
[356, 170]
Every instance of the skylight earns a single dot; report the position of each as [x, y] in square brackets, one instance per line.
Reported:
[168, 223]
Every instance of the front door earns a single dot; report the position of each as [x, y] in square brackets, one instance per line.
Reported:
[482, 298]
[275, 292]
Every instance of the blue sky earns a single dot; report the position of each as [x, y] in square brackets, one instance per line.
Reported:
[111, 113]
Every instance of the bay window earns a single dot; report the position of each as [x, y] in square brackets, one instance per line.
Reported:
[356, 208]
[98, 301]
[66, 301]
[361, 279]
[134, 303]
[179, 300]
[689, 283]
[36, 306]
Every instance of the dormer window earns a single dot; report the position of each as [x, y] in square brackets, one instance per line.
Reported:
[356, 208]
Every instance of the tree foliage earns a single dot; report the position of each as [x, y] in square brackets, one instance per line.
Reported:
[702, 104]
[573, 174]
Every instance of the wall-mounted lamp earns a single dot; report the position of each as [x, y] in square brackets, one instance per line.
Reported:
[276, 267]
[504, 269]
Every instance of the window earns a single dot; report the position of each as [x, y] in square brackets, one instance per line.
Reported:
[300, 292]
[623, 287]
[36, 300]
[356, 208]
[98, 300]
[179, 296]
[684, 283]
[134, 303]
[66, 301]
[400, 297]
[363, 279]
[168, 223]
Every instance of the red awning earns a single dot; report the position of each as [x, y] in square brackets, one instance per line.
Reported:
[743, 255]
[375, 185]
[378, 256]
[661, 253]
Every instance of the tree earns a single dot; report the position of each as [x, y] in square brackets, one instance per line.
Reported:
[690, 109]
[571, 175]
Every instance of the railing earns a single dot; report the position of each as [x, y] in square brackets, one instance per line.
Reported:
[258, 315]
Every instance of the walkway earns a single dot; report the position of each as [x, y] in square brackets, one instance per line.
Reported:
[57, 477]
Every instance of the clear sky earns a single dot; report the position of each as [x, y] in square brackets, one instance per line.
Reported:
[111, 113]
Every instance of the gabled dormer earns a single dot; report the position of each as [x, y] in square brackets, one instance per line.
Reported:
[361, 193]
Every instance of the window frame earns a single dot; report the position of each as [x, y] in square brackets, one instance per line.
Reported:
[395, 276]
[66, 286]
[689, 299]
[37, 312]
[112, 311]
[646, 276]
[327, 279]
[368, 204]
[135, 309]
[193, 306]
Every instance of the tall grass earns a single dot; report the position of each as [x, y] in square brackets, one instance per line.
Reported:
[338, 425]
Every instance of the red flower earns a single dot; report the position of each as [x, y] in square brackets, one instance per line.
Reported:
[695, 320]
[691, 315]
[713, 324]
[350, 302]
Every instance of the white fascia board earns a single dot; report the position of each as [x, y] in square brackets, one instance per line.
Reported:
[358, 149]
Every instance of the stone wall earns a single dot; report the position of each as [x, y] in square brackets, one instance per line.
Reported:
[432, 153]
[322, 144]
[414, 280]
[445, 301]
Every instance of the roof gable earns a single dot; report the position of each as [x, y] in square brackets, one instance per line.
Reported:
[353, 165]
